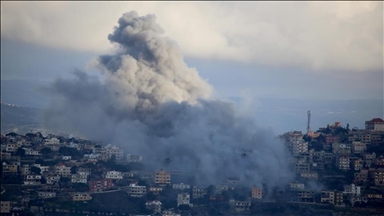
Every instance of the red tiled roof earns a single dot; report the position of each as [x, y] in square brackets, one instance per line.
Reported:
[377, 120]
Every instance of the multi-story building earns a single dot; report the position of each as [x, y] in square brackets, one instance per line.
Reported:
[5, 207]
[358, 147]
[77, 178]
[327, 197]
[329, 139]
[9, 169]
[380, 161]
[100, 185]
[369, 159]
[81, 196]
[131, 158]
[379, 177]
[162, 178]
[198, 192]
[339, 198]
[352, 189]
[239, 205]
[183, 199]
[32, 180]
[376, 124]
[155, 190]
[181, 186]
[342, 161]
[25, 169]
[309, 175]
[233, 183]
[51, 141]
[115, 151]
[52, 179]
[46, 194]
[257, 192]
[299, 147]
[296, 186]
[154, 206]
[361, 176]
[137, 191]
[114, 175]
[62, 170]
[301, 167]
[341, 148]
[357, 164]
[305, 196]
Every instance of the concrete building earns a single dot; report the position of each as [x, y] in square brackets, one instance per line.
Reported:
[299, 147]
[198, 193]
[257, 192]
[100, 185]
[154, 206]
[183, 199]
[162, 178]
[46, 194]
[137, 191]
[81, 196]
[296, 186]
[134, 158]
[32, 180]
[181, 186]
[327, 197]
[114, 175]
[342, 161]
[357, 164]
[5, 207]
[358, 147]
[9, 169]
[239, 206]
[352, 189]
[62, 170]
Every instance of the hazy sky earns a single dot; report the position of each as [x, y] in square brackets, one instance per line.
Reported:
[320, 50]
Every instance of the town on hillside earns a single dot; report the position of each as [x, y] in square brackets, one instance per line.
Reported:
[337, 169]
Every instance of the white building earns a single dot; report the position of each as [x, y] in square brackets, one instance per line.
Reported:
[52, 141]
[352, 189]
[299, 147]
[376, 124]
[296, 186]
[114, 175]
[115, 151]
[181, 186]
[63, 170]
[134, 158]
[46, 194]
[184, 199]
[137, 191]
[154, 206]
[77, 178]
[32, 180]
[66, 158]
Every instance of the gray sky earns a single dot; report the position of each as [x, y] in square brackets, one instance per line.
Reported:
[317, 50]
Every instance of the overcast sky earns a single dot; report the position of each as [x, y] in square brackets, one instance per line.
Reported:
[320, 50]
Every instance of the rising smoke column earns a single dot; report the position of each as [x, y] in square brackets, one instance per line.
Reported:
[151, 103]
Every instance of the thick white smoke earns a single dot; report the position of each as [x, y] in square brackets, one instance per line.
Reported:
[153, 104]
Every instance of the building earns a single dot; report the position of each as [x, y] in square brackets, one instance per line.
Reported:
[361, 177]
[357, 164]
[342, 161]
[301, 167]
[358, 147]
[46, 194]
[5, 207]
[134, 158]
[341, 148]
[181, 186]
[299, 147]
[257, 193]
[25, 170]
[114, 175]
[379, 177]
[239, 205]
[9, 169]
[115, 151]
[154, 206]
[52, 179]
[294, 186]
[352, 189]
[198, 193]
[329, 139]
[327, 197]
[380, 161]
[81, 196]
[376, 124]
[233, 183]
[32, 180]
[155, 190]
[183, 199]
[309, 175]
[136, 191]
[100, 185]
[78, 178]
[62, 170]
[305, 196]
[339, 198]
[162, 178]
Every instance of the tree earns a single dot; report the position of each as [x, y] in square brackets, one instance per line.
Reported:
[74, 169]
[46, 151]
[20, 152]
[35, 170]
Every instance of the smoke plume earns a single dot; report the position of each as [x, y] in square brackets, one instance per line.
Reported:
[151, 103]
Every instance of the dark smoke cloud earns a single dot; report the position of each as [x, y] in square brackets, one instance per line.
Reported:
[152, 103]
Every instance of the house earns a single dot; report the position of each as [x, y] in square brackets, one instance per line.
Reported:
[100, 185]
[154, 206]
[183, 199]
[376, 124]
[81, 196]
[114, 175]
[198, 192]
[257, 192]
[239, 205]
[136, 191]
[181, 186]
[162, 178]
